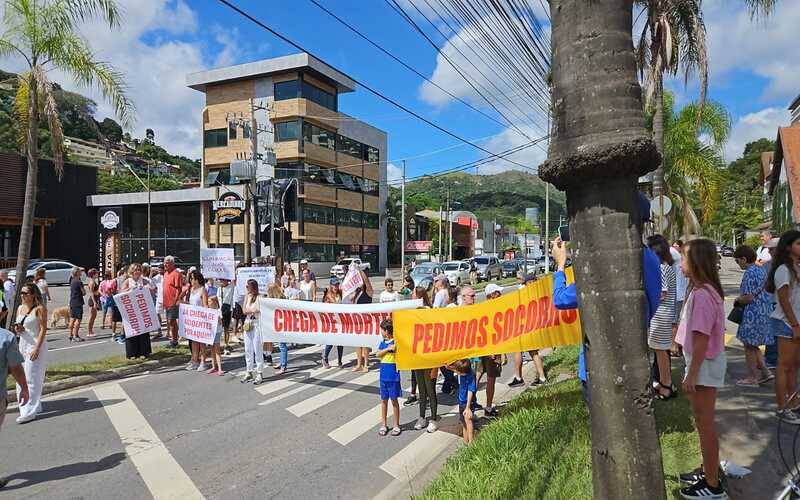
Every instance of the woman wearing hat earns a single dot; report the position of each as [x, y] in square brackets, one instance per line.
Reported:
[333, 295]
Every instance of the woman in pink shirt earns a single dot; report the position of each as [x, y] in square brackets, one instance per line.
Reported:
[702, 334]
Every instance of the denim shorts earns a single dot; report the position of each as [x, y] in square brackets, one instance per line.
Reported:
[781, 329]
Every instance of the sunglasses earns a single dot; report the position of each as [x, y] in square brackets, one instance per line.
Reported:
[472, 295]
[24, 293]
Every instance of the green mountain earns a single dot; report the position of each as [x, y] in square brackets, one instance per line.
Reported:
[503, 196]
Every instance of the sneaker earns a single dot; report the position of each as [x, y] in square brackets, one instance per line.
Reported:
[491, 411]
[192, 366]
[702, 490]
[421, 424]
[693, 476]
[412, 399]
[258, 379]
[24, 420]
[202, 367]
[173, 344]
[325, 364]
[247, 377]
[433, 426]
[788, 416]
[516, 382]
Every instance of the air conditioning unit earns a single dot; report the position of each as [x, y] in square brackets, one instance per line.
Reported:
[243, 169]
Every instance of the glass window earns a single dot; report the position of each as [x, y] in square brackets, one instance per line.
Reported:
[183, 221]
[215, 138]
[188, 251]
[319, 136]
[288, 171]
[287, 131]
[346, 181]
[373, 155]
[221, 177]
[345, 217]
[318, 214]
[318, 252]
[319, 96]
[349, 146]
[370, 186]
[231, 130]
[286, 90]
[370, 220]
[246, 131]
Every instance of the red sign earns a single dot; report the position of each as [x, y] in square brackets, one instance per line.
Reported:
[418, 246]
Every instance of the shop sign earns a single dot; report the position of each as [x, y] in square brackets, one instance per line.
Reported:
[418, 246]
[229, 208]
[110, 218]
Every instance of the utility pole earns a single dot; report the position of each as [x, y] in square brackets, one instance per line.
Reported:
[256, 222]
[403, 223]
[149, 246]
[440, 234]
[449, 228]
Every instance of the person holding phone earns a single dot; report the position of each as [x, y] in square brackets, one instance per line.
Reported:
[31, 327]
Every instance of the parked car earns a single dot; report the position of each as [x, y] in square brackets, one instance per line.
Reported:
[56, 272]
[726, 251]
[424, 273]
[457, 272]
[488, 267]
[510, 268]
[341, 267]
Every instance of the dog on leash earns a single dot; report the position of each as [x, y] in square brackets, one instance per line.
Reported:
[60, 313]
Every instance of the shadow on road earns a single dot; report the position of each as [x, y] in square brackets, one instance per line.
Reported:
[59, 407]
[31, 478]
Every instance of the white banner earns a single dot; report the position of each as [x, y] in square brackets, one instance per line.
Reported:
[137, 310]
[198, 323]
[264, 275]
[217, 263]
[352, 281]
[301, 322]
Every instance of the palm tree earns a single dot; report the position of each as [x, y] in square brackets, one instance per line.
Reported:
[693, 159]
[600, 146]
[44, 34]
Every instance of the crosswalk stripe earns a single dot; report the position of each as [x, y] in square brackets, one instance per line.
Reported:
[281, 384]
[349, 431]
[159, 470]
[302, 387]
[313, 403]
[409, 461]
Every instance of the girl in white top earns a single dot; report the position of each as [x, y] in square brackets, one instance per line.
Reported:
[31, 326]
[198, 296]
[308, 288]
[291, 291]
[216, 357]
[253, 350]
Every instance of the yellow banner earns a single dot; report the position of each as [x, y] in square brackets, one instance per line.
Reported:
[517, 321]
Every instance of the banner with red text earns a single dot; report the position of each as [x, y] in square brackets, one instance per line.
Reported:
[138, 311]
[518, 321]
[301, 322]
[198, 323]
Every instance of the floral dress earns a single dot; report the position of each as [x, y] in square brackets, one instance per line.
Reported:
[755, 327]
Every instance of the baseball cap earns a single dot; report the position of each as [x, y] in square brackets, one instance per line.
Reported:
[773, 243]
[493, 288]
[440, 277]
[334, 280]
[304, 261]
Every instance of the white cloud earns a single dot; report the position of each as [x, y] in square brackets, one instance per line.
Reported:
[754, 126]
[768, 47]
[532, 156]
[393, 173]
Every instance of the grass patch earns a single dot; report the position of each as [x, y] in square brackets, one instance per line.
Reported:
[502, 282]
[541, 445]
[61, 371]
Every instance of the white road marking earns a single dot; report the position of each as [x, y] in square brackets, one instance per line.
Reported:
[162, 474]
[313, 403]
[281, 384]
[409, 461]
[370, 419]
[302, 387]
[82, 344]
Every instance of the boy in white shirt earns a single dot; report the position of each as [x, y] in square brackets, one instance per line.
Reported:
[388, 294]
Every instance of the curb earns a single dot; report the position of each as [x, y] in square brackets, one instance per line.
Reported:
[113, 374]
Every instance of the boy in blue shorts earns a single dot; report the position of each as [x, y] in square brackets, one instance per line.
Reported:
[467, 387]
[389, 378]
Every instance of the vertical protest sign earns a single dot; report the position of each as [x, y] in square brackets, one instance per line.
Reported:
[138, 311]
[217, 263]
[198, 323]
[352, 281]
[264, 275]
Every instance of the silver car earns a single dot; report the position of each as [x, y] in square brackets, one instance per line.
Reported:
[457, 272]
[488, 267]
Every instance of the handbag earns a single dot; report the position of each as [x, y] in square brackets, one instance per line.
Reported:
[248, 324]
[737, 313]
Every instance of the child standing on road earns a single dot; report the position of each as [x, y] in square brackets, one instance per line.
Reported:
[216, 357]
[389, 378]
[467, 387]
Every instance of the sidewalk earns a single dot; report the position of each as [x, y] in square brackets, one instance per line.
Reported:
[746, 420]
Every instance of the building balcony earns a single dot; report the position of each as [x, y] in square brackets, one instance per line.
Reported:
[317, 194]
[285, 150]
[318, 154]
[292, 108]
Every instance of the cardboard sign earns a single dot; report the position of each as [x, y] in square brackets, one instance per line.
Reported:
[264, 275]
[217, 263]
[137, 310]
[198, 323]
[303, 322]
[352, 281]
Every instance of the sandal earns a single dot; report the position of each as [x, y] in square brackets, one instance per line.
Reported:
[396, 431]
[673, 391]
[383, 430]
[747, 382]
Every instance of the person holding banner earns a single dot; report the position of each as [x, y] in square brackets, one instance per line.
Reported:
[216, 358]
[333, 295]
[274, 292]
[490, 365]
[422, 294]
[225, 294]
[425, 381]
[197, 297]
[389, 379]
[137, 346]
[362, 295]
[253, 351]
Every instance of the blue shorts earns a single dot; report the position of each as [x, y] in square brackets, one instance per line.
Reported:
[781, 329]
[390, 390]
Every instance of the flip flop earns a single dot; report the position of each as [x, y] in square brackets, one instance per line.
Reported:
[396, 431]
[383, 430]
[747, 383]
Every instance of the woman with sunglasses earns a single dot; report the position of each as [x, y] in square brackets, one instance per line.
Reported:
[31, 327]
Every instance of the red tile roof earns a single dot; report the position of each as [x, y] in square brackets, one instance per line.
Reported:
[766, 166]
[787, 152]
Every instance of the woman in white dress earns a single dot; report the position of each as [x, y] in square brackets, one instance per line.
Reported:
[138, 346]
[31, 326]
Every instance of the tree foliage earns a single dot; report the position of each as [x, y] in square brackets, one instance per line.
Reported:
[126, 183]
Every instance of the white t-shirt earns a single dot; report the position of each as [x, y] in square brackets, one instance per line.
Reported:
[389, 296]
[440, 300]
[763, 254]
[782, 279]
[225, 294]
[292, 293]
[682, 282]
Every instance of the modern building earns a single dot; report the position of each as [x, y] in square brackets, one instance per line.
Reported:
[290, 106]
[463, 229]
[88, 153]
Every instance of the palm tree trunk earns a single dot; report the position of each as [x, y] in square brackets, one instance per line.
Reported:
[658, 138]
[31, 185]
[600, 147]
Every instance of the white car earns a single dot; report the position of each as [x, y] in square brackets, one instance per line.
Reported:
[457, 272]
[56, 272]
[341, 267]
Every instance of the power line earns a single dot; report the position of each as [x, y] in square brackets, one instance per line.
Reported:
[415, 71]
[365, 86]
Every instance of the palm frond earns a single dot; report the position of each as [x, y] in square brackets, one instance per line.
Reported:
[83, 10]
[49, 111]
[761, 8]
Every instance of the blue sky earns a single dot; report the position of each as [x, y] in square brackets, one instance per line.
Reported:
[753, 71]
